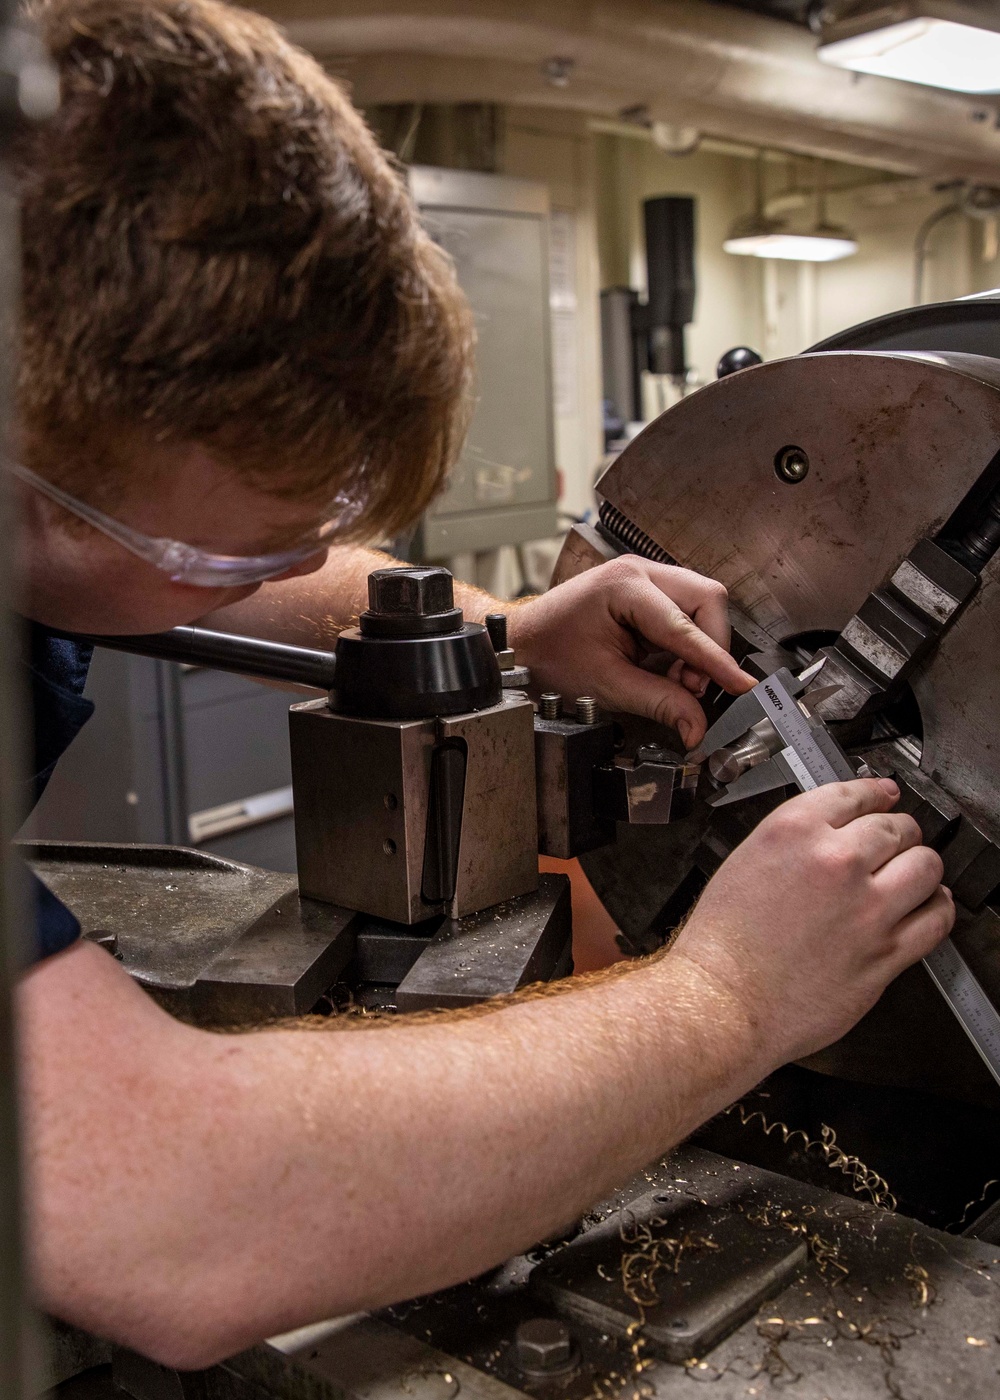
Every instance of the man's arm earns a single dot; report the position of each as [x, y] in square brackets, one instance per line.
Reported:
[593, 635]
[193, 1192]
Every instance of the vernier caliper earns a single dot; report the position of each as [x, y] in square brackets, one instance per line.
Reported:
[772, 737]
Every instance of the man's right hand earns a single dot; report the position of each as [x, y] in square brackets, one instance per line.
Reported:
[828, 900]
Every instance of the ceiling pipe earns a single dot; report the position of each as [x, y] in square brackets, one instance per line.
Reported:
[729, 73]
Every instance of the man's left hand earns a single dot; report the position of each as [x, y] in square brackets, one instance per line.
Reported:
[639, 637]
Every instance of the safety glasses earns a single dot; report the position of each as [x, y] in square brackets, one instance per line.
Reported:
[187, 563]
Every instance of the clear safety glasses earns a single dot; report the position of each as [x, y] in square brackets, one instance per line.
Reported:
[187, 563]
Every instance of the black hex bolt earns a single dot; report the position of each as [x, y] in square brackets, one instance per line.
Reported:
[417, 592]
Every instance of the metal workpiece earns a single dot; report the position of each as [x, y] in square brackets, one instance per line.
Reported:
[760, 743]
[494, 951]
[550, 705]
[567, 754]
[651, 789]
[769, 738]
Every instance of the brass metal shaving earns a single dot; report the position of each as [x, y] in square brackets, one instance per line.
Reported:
[652, 1256]
[959, 1224]
[864, 1179]
[923, 1290]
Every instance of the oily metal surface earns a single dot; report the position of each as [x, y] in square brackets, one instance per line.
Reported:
[361, 794]
[493, 952]
[498, 852]
[173, 910]
[878, 1306]
[958, 691]
[894, 442]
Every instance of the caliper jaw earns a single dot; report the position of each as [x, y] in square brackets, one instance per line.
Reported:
[753, 748]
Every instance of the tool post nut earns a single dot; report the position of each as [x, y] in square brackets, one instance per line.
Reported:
[420, 592]
[543, 1345]
[410, 603]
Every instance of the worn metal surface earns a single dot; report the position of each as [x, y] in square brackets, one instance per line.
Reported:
[358, 1359]
[566, 754]
[851, 1323]
[495, 951]
[894, 443]
[498, 852]
[731, 1268]
[897, 445]
[174, 910]
[958, 691]
[853, 1302]
[361, 797]
[778, 1285]
[223, 944]
[280, 966]
[583, 548]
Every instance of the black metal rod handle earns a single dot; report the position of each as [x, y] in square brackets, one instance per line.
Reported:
[221, 651]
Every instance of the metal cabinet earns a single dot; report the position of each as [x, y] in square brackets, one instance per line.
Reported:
[503, 488]
[176, 754]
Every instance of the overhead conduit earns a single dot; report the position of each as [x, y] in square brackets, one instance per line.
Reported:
[732, 74]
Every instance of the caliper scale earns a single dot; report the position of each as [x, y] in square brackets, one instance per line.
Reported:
[772, 737]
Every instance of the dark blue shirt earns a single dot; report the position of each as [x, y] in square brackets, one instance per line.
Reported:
[56, 672]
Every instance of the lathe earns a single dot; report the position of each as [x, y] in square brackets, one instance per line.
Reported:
[849, 499]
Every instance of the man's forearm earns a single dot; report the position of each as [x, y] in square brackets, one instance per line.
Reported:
[313, 609]
[273, 1179]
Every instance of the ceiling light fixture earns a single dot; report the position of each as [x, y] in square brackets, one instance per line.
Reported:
[758, 236]
[770, 238]
[939, 43]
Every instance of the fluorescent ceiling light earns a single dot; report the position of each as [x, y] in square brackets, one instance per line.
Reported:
[769, 238]
[937, 52]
